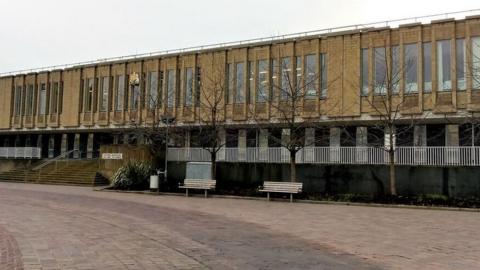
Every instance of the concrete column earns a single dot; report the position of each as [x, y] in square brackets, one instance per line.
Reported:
[335, 134]
[242, 144]
[451, 135]
[28, 140]
[141, 139]
[51, 146]
[387, 141]
[263, 138]
[39, 140]
[90, 145]
[362, 136]
[126, 138]
[76, 146]
[187, 138]
[222, 137]
[309, 137]
[285, 140]
[420, 135]
[17, 141]
[64, 145]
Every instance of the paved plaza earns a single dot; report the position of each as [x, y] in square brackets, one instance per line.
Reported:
[59, 227]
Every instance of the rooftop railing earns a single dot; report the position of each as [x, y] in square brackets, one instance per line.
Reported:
[319, 32]
[410, 156]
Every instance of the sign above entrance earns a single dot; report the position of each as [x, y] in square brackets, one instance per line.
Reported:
[112, 156]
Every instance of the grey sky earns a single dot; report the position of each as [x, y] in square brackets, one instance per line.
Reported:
[49, 32]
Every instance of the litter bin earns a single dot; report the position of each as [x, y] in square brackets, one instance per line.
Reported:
[153, 182]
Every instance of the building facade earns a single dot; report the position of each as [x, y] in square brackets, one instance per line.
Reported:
[431, 71]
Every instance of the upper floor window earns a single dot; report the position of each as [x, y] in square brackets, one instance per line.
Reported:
[54, 98]
[171, 84]
[153, 101]
[411, 68]
[251, 81]
[189, 87]
[323, 75]
[42, 99]
[29, 100]
[310, 76]
[89, 95]
[134, 84]
[396, 73]
[262, 75]
[444, 65]
[380, 71]
[298, 70]
[239, 83]
[364, 72]
[427, 67]
[461, 64]
[286, 85]
[18, 100]
[120, 96]
[274, 77]
[476, 62]
[105, 86]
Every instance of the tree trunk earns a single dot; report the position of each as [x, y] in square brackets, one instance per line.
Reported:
[293, 167]
[213, 160]
[393, 188]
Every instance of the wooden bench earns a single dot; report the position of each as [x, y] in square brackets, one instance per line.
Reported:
[198, 184]
[281, 187]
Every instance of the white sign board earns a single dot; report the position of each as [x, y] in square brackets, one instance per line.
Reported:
[112, 156]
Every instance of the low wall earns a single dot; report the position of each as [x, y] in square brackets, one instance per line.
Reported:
[11, 164]
[108, 167]
[341, 179]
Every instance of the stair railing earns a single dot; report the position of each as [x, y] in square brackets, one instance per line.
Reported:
[55, 160]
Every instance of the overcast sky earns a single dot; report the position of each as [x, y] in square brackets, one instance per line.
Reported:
[41, 33]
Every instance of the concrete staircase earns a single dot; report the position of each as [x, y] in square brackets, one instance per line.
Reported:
[61, 172]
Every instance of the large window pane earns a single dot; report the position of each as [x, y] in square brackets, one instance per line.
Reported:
[120, 97]
[189, 87]
[262, 75]
[251, 81]
[29, 102]
[476, 62]
[380, 71]
[411, 68]
[298, 70]
[43, 99]
[88, 95]
[323, 75]
[287, 83]
[310, 76]
[153, 101]
[444, 65]
[364, 72]
[18, 100]
[461, 64]
[104, 98]
[240, 88]
[427, 67]
[171, 83]
[54, 100]
[396, 73]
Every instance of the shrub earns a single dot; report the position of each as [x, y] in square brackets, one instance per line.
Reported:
[133, 176]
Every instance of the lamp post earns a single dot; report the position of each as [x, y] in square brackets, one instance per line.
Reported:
[167, 120]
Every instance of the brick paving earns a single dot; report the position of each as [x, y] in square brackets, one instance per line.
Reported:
[57, 227]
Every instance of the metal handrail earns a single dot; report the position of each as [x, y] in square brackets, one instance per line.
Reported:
[49, 161]
[387, 23]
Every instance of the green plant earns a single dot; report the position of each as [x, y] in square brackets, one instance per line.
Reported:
[132, 176]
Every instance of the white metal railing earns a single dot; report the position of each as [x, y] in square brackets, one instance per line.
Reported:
[414, 156]
[21, 152]
[319, 32]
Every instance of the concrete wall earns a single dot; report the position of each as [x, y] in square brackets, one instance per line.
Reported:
[9, 164]
[371, 180]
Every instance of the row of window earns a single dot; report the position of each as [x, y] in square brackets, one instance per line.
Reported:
[384, 78]
[282, 81]
[48, 101]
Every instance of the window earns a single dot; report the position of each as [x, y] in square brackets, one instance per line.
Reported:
[262, 75]
[476, 62]
[54, 102]
[29, 102]
[120, 97]
[198, 85]
[310, 76]
[239, 83]
[427, 67]
[152, 90]
[298, 70]
[134, 84]
[396, 73]
[364, 72]
[18, 100]
[443, 65]
[323, 75]
[251, 81]
[461, 64]
[228, 82]
[43, 99]
[274, 83]
[286, 84]
[189, 87]
[171, 83]
[380, 71]
[411, 68]
[105, 85]
[88, 95]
